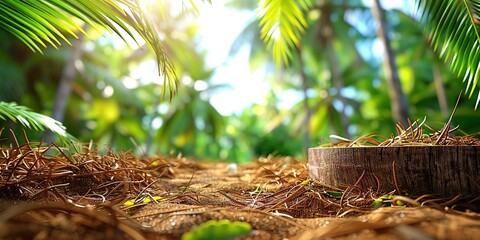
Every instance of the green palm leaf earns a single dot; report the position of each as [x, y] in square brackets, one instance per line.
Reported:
[48, 22]
[453, 29]
[41, 23]
[282, 22]
[33, 120]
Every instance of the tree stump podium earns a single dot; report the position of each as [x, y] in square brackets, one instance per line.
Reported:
[414, 170]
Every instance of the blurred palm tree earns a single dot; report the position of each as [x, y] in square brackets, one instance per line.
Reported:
[41, 23]
[452, 27]
[316, 65]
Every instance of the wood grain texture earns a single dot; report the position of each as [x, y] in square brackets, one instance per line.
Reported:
[442, 170]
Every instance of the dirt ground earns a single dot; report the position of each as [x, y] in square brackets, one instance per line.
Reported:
[101, 196]
[289, 210]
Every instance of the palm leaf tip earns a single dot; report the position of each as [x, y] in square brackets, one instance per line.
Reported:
[281, 25]
[33, 120]
[453, 30]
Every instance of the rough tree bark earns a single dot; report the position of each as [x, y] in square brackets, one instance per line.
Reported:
[398, 100]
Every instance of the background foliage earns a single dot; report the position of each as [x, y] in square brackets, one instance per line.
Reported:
[334, 67]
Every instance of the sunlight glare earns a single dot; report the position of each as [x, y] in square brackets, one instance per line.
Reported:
[187, 81]
[108, 91]
[275, 32]
[130, 82]
[245, 87]
[200, 85]
[157, 123]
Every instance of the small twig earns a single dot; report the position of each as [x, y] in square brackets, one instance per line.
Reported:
[443, 135]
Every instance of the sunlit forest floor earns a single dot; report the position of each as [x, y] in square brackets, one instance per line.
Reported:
[54, 193]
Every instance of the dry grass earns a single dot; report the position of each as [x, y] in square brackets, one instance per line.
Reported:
[415, 134]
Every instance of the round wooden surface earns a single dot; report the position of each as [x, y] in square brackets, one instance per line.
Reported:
[442, 170]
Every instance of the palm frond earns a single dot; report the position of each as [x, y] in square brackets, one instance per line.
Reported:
[41, 23]
[33, 120]
[282, 23]
[453, 31]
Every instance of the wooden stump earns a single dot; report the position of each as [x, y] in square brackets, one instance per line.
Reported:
[442, 170]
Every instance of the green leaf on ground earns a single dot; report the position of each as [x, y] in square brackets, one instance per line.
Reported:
[219, 230]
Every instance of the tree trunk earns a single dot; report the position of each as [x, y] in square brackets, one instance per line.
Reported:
[407, 169]
[327, 36]
[398, 100]
[306, 106]
[65, 85]
[441, 96]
